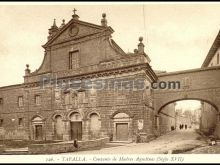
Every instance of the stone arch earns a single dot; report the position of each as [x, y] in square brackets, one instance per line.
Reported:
[121, 115]
[57, 114]
[39, 117]
[182, 99]
[208, 120]
[74, 111]
[93, 112]
[75, 116]
[121, 111]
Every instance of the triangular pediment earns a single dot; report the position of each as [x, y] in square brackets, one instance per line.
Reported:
[76, 29]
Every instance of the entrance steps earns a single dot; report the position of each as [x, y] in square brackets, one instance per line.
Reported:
[15, 151]
[120, 142]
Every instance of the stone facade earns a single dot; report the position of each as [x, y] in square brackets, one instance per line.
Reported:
[47, 107]
[80, 51]
[64, 147]
[167, 119]
[208, 118]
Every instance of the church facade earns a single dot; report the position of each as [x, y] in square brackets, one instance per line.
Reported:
[86, 88]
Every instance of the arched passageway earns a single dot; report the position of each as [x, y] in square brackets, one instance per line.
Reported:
[188, 114]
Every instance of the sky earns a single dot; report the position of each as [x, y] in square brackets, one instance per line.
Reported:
[188, 105]
[176, 36]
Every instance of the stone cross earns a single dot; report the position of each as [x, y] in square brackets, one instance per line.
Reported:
[74, 11]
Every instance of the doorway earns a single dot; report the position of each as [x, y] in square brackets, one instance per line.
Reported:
[76, 130]
[122, 131]
[38, 132]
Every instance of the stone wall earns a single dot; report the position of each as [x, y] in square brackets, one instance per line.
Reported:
[167, 119]
[2, 148]
[208, 118]
[136, 103]
[63, 147]
[99, 57]
[217, 130]
[10, 113]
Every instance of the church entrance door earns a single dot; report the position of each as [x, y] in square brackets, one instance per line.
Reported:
[121, 131]
[76, 130]
[39, 132]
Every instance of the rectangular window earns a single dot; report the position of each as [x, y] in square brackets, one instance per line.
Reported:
[20, 121]
[67, 98]
[70, 61]
[218, 58]
[20, 101]
[156, 122]
[37, 100]
[74, 60]
[1, 101]
[1, 122]
[81, 97]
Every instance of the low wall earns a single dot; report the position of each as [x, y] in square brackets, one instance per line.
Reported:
[217, 131]
[2, 148]
[62, 147]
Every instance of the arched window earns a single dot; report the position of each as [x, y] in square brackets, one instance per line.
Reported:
[95, 125]
[59, 127]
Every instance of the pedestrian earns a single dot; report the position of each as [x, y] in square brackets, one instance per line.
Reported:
[185, 126]
[75, 144]
[138, 137]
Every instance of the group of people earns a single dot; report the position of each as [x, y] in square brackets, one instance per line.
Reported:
[182, 126]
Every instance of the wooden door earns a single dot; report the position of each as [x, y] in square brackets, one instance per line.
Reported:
[76, 130]
[122, 131]
[38, 132]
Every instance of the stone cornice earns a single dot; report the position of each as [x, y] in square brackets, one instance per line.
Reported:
[78, 22]
[79, 39]
[103, 73]
[212, 50]
[11, 87]
[188, 71]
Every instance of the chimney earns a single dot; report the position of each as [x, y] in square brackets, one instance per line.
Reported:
[104, 20]
[27, 70]
[141, 46]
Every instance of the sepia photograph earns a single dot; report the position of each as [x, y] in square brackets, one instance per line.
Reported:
[101, 82]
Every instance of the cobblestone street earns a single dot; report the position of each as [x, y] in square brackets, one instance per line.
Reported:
[175, 142]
